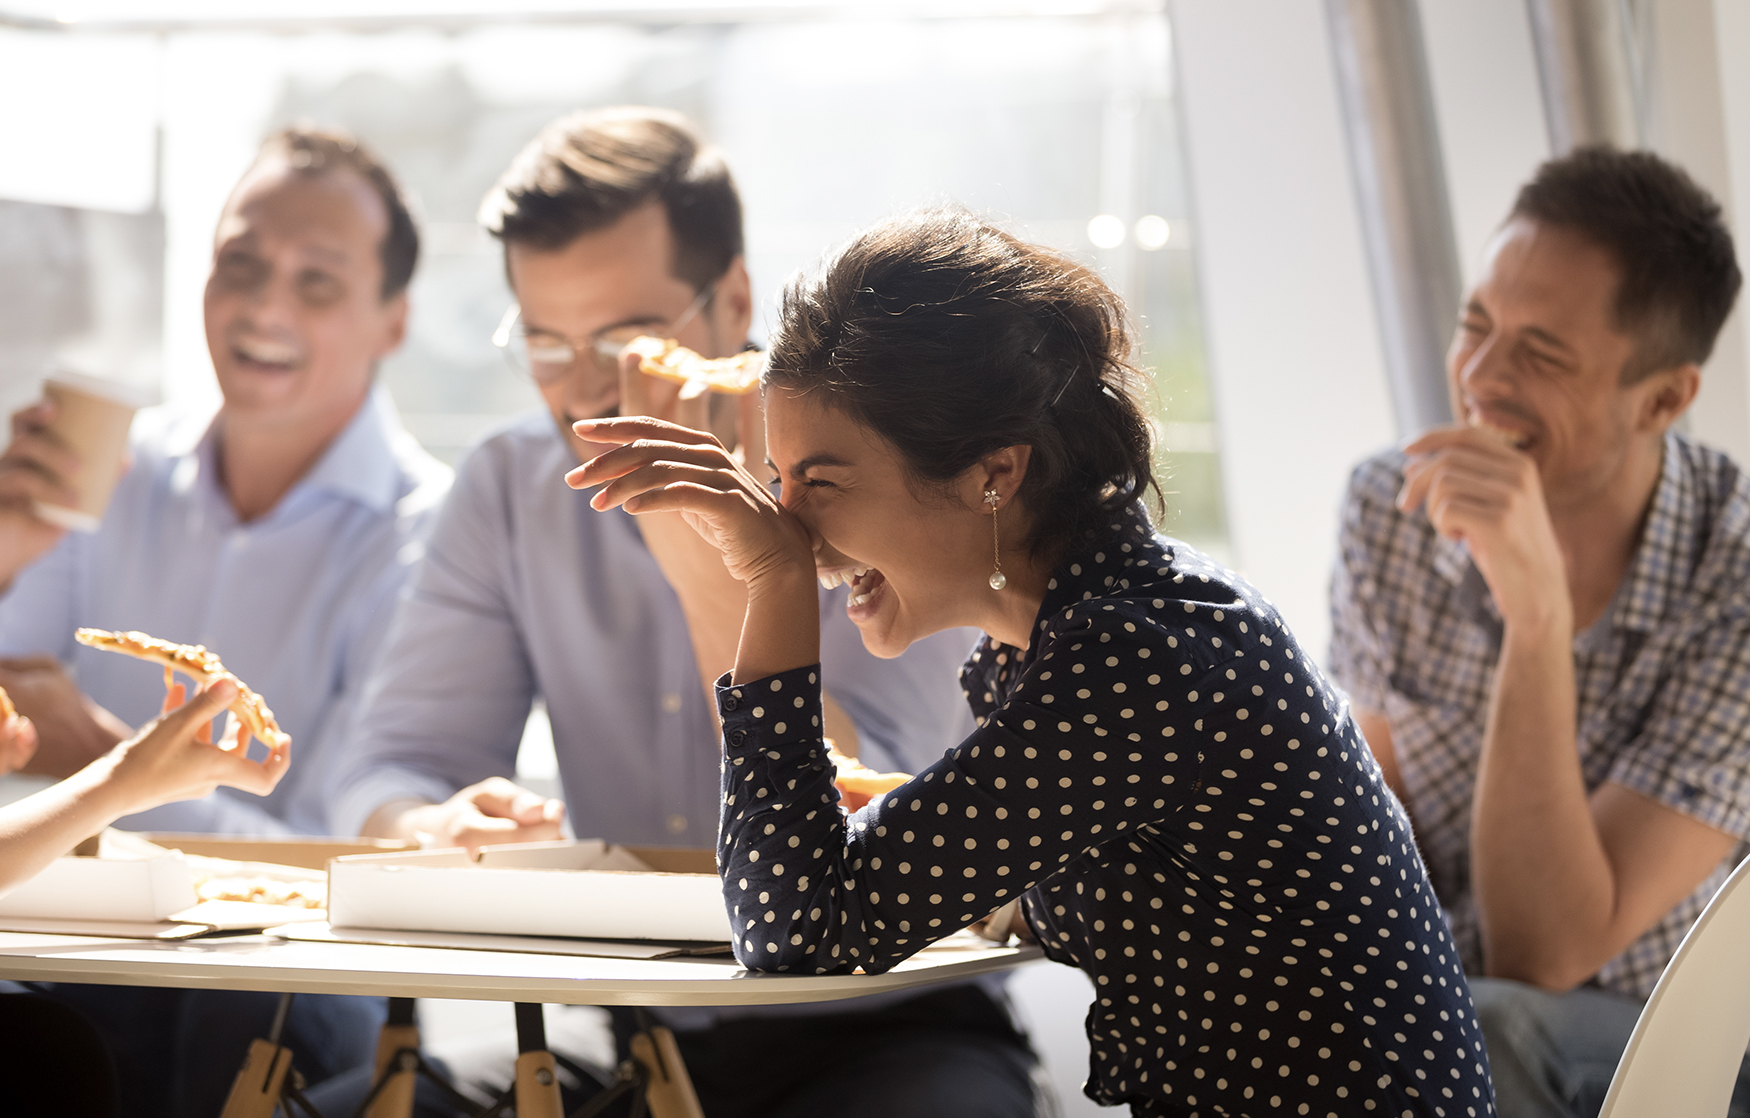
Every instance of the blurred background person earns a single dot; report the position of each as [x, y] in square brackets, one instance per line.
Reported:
[277, 530]
[1543, 616]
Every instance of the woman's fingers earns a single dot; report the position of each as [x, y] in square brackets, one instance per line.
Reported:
[631, 428]
[661, 475]
[689, 496]
[623, 460]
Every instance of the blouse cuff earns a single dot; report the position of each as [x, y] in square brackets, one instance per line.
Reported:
[782, 709]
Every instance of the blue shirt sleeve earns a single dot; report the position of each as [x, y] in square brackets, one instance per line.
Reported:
[452, 690]
[37, 613]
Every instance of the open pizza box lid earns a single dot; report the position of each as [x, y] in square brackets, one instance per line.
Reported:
[587, 889]
[146, 886]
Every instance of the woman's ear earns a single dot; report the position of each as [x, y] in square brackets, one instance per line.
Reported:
[1003, 470]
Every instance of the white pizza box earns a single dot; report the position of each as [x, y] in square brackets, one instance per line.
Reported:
[586, 889]
[118, 885]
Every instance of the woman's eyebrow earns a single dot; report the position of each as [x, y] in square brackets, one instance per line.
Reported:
[813, 460]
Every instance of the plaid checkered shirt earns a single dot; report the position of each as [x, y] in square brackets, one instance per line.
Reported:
[1663, 677]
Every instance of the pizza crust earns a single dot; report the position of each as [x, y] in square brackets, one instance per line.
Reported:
[197, 663]
[7, 711]
[669, 360]
[859, 779]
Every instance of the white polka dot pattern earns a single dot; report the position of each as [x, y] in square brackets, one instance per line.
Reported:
[1191, 818]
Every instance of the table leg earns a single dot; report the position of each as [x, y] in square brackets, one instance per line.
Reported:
[256, 1091]
[397, 1062]
[537, 1075]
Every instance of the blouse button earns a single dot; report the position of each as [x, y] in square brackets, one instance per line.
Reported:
[730, 702]
[736, 737]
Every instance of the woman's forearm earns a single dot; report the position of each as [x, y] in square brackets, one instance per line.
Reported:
[782, 628]
[40, 828]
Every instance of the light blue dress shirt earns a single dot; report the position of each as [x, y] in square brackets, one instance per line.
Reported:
[526, 591]
[296, 602]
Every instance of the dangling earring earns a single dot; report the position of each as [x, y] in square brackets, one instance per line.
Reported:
[998, 579]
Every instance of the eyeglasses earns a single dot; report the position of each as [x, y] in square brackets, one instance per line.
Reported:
[548, 357]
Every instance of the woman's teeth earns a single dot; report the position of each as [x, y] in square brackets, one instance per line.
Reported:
[856, 600]
[838, 578]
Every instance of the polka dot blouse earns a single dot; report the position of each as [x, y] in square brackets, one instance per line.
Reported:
[1189, 815]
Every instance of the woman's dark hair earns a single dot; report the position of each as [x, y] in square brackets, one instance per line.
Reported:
[1679, 272]
[951, 339]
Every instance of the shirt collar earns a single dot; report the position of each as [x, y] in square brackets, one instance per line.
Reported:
[360, 464]
[1667, 547]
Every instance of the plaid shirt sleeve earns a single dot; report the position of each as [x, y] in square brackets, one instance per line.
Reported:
[1693, 753]
[1358, 660]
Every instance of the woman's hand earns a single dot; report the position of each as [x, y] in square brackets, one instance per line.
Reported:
[661, 467]
[175, 758]
[17, 743]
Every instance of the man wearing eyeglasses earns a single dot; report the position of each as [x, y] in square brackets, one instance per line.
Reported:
[615, 224]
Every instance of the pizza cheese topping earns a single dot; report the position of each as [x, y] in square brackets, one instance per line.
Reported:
[669, 360]
[197, 663]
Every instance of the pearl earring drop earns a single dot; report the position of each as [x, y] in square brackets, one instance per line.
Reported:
[998, 579]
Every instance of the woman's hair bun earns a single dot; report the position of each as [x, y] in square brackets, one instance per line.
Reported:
[951, 338]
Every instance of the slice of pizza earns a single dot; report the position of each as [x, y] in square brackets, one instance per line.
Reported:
[669, 360]
[198, 664]
[857, 782]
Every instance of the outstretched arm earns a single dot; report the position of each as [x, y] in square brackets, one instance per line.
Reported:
[174, 758]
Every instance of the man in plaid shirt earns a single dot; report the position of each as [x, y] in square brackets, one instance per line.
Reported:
[1542, 615]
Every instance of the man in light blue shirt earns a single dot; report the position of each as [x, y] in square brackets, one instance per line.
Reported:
[278, 532]
[619, 223]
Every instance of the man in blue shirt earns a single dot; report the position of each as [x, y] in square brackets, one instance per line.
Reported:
[619, 223]
[278, 532]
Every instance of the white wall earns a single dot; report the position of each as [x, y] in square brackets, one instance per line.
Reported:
[1298, 376]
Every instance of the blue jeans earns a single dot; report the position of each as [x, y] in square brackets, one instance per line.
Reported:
[1553, 1055]
[177, 1052]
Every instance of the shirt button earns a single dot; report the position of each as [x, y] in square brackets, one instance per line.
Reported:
[736, 737]
[677, 824]
[671, 703]
[730, 702]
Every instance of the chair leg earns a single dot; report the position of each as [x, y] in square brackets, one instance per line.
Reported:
[397, 1062]
[537, 1074]
[667, 1086]
[256, 1090]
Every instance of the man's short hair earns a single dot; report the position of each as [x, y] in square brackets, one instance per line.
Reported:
[590, 168]
[315, 151]
[1679, 273]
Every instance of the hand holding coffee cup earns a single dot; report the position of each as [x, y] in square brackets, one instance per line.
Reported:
[37, 468]
[68, 451]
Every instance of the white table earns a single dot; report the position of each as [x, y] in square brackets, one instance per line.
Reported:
[273, 964]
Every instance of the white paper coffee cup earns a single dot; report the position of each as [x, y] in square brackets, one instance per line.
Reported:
[92, 418]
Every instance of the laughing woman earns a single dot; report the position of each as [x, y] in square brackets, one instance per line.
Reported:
[1170, 786]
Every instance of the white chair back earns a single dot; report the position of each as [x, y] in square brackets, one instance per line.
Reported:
[1683, 1057]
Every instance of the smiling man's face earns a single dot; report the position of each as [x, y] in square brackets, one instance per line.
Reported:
[611, 279]
[1538, 354]
[295, 316]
